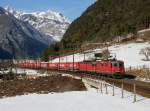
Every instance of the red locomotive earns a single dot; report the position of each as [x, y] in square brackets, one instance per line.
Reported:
[107, 68]
[110, 68]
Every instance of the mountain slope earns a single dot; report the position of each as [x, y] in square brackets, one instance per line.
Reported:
[51, 23]
[106, 19]
[19, 39]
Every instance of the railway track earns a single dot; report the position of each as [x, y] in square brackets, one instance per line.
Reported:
[142, 88]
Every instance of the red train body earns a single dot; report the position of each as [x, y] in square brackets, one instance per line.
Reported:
[109, 67]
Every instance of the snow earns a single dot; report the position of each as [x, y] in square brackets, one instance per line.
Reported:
[129, 53]
[29, 72]
[72, 101]
[77, 57]
[51, 15]
[26, 71]
[144, 30]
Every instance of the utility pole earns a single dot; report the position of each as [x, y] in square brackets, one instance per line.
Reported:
[66, 62]
[73, 60]
[59, 63]
[134, 91]
[122, 90]
[113, 89]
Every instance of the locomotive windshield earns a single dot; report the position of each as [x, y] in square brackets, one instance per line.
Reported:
[120, 64]
[117, 64]
[114, 65]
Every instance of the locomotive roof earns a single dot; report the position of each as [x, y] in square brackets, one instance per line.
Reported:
[112, 60]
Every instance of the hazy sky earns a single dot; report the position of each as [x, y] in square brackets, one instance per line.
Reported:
[70, 8]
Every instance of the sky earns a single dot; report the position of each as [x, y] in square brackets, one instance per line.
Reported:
[70, 8]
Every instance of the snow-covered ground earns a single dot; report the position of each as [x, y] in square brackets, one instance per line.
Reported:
[30, 72]
[74, 101]
[91, 100]
[26, 71]
[129, 53]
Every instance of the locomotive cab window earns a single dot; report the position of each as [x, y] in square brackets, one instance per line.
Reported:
[114, 64]
[121, 65]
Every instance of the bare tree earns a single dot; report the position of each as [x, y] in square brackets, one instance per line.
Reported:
[146, 53]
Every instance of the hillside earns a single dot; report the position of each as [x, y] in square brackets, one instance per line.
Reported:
[107, 19]
[17, 38]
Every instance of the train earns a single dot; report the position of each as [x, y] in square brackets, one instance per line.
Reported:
[102, 68]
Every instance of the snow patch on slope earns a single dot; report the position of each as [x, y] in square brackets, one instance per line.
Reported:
[129, 53]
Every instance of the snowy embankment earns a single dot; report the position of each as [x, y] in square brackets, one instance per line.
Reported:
[29, 72]
[26, 71]
[73, 101]
[129, 53]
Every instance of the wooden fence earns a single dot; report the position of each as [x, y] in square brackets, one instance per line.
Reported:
[103, 86]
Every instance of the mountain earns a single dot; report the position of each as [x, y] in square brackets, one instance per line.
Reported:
[19, 39]
[52, 24]
[106, 19]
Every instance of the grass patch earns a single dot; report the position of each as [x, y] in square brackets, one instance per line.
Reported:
[141, 73]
